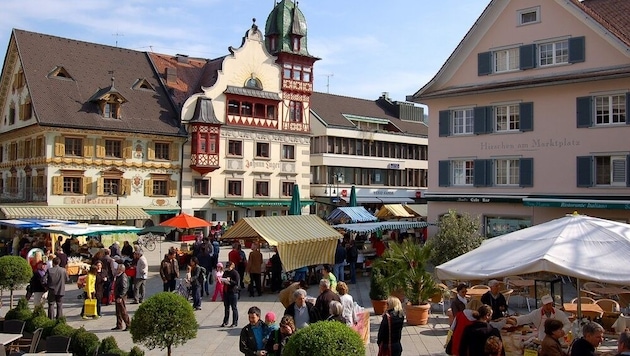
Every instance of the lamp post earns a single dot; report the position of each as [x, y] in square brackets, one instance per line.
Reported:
[113, 185]
[337, 177]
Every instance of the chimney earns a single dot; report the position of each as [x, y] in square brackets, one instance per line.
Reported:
[171, 75]
[182, 58]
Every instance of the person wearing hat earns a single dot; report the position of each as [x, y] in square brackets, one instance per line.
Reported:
[495, 300]
[538, 316]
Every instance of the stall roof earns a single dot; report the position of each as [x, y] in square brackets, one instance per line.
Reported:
[393, 211]
[351, 214]
[88, 229]
[74, 213]
[382, 225]
[302, 240]
[31, 223]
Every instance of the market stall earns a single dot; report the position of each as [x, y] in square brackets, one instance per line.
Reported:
[302, 240]
[393, 211]
[350, 214]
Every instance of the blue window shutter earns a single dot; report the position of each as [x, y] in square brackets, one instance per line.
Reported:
[480, 172]
[627, 108]
[584, 111]
[527, 56]
[526, 172]
[445, 123]
[489, 119]
[444, 173]
[526, 111]
[489, 173]
[584, 171]
[482, 119]
[577, 51]
[484, 63]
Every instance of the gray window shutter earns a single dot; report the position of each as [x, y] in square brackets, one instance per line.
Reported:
[482, 173]
[526, 172]
[577, 51]
[585, 171]
[445, 123]
[527, 56]
[484, 63]
[526, 111]
[627, 108]
[584, 111]
[627, 170]
[444, 173]
[482, 119]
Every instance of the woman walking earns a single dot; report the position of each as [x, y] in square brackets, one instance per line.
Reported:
[390, 331]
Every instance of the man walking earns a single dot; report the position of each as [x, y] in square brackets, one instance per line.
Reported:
[142, 272]
[57, 279]
[254, 268]
[169, 271]
[121, 287]
[340, 261]
[231, 282]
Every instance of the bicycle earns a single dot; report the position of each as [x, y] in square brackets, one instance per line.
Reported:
[148, 241]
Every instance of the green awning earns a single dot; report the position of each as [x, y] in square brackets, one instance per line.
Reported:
[249, 203]
[577, 203]
[161, 211]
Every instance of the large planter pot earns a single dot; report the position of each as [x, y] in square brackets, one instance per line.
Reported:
[417, 314]
[379, 306]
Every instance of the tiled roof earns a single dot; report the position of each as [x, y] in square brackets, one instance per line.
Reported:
[253, 93]
[64, 103]
[331, 109]
[614, 15]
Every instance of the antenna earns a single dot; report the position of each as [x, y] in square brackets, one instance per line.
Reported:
[328, 82]
[117, 35]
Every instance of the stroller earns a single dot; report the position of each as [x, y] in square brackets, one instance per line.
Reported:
[183, 288]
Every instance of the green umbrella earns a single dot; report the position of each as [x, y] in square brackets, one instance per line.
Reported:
[296, 207]
[353, 197]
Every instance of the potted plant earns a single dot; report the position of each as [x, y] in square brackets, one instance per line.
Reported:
[378, 291]
[404, 265]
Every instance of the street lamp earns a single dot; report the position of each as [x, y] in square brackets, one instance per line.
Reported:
[113, 185]
[337, 177]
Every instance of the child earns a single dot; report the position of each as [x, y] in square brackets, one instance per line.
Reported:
[218, 287]
[272, 326]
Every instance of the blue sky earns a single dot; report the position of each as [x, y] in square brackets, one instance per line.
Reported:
[366, 47]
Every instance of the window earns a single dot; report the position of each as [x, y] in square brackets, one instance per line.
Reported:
[501, 225]
[507, 117]
[529, 16]
[506, 60]
[19, 80]
[26, 111]
[28, 147]
[12, 115]
[288, 152]
[160, 187]
[262, 150]
[235, 188]
[610, 170]
[111, 110]
[261, 188]
[462, 172]
[162, 150]
[463, 121]
[297, 72]
[201, 187]
[112, 186]
[506, 172]
[235, 148]
[287, 189]
[295, 111]
[610, 109]
[262, 109]
[73, 146]
[553, 53]
[72, 185]
[40, 147]
[206, 143]
[113, 148]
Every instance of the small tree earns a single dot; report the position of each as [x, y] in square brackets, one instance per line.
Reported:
[325, 338]
[457, 234]
[16, 272]
[164, 320]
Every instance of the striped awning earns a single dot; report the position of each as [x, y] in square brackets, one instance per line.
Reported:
[392, 211]
[350, 214]
[302, 240]
[249, 203]
[89, 213]
[383, 225]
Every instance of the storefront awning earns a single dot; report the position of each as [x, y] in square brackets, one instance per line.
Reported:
[393, 211]
[31, 223]
[302, 240]
[249, 203]
[73, 213]
[383, 225]
[577, 203]
[161, 211]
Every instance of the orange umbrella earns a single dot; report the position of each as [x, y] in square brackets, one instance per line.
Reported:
[185, 221]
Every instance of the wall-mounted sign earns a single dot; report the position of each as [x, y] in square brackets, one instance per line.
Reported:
[393, 166]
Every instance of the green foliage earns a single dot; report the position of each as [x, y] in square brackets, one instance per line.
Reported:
[325, 338]
[21, 311]
[404, 267]
[378, 287]
[164, 320]
[84, 343]
[16, 272]
[136, 351]
[457, 234]
[107, 345]
[39, 322]
[63, 329]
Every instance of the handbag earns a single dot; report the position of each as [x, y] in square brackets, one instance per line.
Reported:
[247, 279]
[386, 350]
[90, 307]
[449, 342]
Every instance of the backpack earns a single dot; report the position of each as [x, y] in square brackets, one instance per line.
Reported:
[242, 255]
[203, 274]
[44, 280]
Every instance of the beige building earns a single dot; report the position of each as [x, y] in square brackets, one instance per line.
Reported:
[529, 115]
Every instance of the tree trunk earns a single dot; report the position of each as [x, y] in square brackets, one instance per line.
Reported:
[168, 348]
[11, 300]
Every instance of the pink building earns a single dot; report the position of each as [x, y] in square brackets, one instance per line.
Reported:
[528, 116]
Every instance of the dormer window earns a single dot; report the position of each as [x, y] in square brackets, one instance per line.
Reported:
[111, 110]
[109, 102]
[253, 83]
[296, 43]
[59, 72]
[142, 84]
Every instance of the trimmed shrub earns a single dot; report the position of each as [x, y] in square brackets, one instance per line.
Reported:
[20, 312]
[39, 322]
[325, 338]
[108, 344]
[136, 351]
[84, 343]
[63, 329]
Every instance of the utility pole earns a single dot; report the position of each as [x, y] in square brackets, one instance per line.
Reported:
[117, 35]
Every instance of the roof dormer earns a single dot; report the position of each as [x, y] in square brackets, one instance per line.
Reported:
[109, 101]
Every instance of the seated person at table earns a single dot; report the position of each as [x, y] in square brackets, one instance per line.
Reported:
[495, 299]
[538, 316]
[551, 343]
[586, 345]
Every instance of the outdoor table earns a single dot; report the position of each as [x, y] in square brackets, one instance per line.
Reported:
[588, 310]
[476, 293]
[77, 269]
[609, 291]
[6, 339]
[521, 283]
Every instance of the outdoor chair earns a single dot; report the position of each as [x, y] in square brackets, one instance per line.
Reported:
[507, 294]
[589, 285]
[624, 300]
[480, 286]
[608, 305]
[57, 343]
[438, 298]
[584, 300]
[13, 327]
[27, 344]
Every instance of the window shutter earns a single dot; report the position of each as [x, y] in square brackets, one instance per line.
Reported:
[526, 172]
[482, 119]
[60, 146]
[57, 182]
[584, 111]
[100, 187]
[527, 56]
[126, 183]
[87, 185]
[174, 151]
[484, 63]
[20, 150]
[584, 171]
[172, 188]
[127, 149]
[627, 108]
[148, 187]
[445, 123]
[151, 151]
[627, 170]
[444, 173]
[100, 148]
[577, 50]
[526, 111]
[88, 147]
[480, 172]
